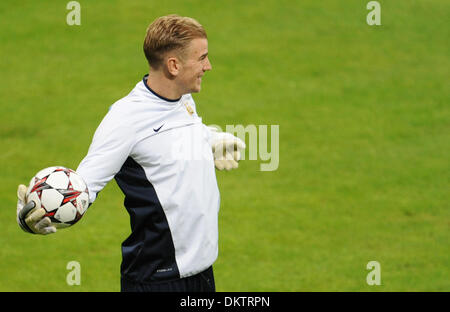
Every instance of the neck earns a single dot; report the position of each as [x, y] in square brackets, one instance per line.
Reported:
[163, 85]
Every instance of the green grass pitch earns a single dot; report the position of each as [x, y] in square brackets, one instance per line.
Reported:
[364, 120]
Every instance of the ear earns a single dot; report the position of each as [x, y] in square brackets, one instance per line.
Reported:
[173, 66]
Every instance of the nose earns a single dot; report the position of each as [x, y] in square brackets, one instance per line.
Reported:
[207, 65]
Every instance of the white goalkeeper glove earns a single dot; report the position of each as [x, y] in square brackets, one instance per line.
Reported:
[226, 149]
[30, 216]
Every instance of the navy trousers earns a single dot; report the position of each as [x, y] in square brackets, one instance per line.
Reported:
[201, 282]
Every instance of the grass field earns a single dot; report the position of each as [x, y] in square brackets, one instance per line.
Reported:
[364, 120]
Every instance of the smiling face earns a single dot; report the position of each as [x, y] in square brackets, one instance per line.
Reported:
[193, 65]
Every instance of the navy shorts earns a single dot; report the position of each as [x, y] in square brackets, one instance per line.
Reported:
[201, 282]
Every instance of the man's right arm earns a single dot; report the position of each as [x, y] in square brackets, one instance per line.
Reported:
[110, 147]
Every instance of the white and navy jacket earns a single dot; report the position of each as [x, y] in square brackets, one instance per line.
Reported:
[159, 152]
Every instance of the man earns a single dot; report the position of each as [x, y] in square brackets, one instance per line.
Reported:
[162, 156]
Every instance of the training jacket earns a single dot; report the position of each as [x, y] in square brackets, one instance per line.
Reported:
[158, 151]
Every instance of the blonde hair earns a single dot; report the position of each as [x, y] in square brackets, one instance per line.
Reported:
[168, 33]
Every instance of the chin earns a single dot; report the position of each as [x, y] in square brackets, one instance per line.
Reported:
[196, 89]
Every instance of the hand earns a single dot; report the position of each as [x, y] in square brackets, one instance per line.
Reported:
[30, 216]
[226, 149]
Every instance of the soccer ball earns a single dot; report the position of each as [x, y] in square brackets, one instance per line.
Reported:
[62, 193]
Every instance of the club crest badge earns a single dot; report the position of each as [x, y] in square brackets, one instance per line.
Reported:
[189, 108]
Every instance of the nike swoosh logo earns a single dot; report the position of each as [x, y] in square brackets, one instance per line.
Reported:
[156, 130]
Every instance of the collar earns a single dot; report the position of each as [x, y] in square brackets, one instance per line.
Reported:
[156, 94]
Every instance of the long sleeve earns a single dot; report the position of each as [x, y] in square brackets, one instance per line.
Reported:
[110, 147]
